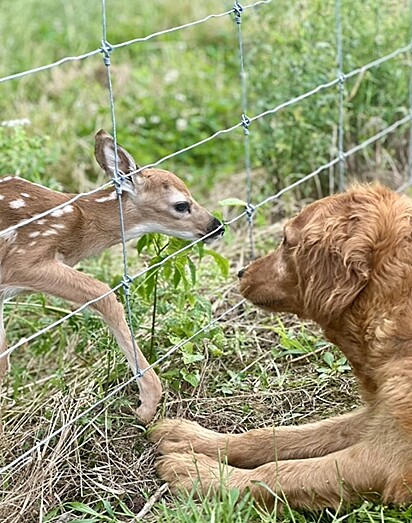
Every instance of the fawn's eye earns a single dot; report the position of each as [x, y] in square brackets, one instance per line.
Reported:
[182, 207]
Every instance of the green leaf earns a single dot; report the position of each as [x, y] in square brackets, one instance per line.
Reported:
[141, 243]
[177, 276]
[329, 359]
[221, 262]
[233, 202]
[191, 378]
[192, 269]
[192, 358]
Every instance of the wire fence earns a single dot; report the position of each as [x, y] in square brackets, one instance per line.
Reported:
[238, 14]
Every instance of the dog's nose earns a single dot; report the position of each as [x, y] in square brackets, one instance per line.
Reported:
[241, 273]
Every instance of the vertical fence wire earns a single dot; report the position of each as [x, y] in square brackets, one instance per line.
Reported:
[409, 178]
[238, 10]
[118, 177]
[118, 180]
[341, 93]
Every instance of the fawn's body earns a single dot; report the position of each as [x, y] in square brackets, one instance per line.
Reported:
[39, 256]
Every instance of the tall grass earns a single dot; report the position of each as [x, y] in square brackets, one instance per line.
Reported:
[169, 93]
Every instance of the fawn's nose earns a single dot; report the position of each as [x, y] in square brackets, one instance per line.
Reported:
[241, 273]
[216, 227]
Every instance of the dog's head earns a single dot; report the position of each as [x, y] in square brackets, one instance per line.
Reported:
[331, 251]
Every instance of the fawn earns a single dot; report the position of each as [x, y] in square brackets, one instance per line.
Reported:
[40, 256]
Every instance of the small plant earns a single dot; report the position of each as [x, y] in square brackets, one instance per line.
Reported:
[334, 365]
[170, 286]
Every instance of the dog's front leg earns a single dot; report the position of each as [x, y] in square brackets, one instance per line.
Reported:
[259, 446]
[315, 483]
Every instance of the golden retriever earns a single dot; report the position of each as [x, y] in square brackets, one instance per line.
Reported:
[346, 262]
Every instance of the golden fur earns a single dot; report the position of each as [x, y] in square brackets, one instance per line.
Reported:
[345, 262]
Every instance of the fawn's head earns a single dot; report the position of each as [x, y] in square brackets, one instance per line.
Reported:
[158, 201]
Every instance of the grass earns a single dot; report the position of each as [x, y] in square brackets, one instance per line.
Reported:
[249, 370]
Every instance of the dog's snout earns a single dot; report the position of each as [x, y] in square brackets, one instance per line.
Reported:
[216, 227]
[241, 272]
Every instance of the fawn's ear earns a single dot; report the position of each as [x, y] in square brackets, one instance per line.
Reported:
[105, 155]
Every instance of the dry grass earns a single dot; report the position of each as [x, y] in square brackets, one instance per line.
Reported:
[105, 455]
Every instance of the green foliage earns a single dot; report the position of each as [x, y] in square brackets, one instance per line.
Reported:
[292, 52]
[170, 285]
[227, 507]
[102, 512]
[297, 342]
[25, 154]
[334, 365]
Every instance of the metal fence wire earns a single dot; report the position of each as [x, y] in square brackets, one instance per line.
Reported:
[239, 14]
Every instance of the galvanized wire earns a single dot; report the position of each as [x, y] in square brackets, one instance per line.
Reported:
[245, 121]
[118, 180]
[106, 48]
[341, 87]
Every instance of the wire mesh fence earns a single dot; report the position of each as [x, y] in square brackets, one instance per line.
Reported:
[239, 14]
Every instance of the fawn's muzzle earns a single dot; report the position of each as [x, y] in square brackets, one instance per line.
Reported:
[216, 228]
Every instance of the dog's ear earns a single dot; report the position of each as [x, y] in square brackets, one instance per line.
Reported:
[334, 261]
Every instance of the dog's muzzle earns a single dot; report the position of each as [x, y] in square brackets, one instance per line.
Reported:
[241, 272]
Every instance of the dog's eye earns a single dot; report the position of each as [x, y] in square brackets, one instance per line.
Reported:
[182, 207]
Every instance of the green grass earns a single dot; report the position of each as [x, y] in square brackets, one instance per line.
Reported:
[249, 370]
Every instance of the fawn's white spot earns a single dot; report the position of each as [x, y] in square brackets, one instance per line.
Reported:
[1, 196]
[41, 222]
[6, 178]
[64, 210]
[16, 204]
[58, 225]
[34, 234]
[25, 195]
[21, 251]
[50, 232]
[112, 196]
[32, 244]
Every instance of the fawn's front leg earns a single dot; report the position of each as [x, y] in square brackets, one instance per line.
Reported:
[4, 360]
[259, 446]
[65, 282]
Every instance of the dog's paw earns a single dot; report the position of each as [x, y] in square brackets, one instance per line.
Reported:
[184, 472]
[178, 435]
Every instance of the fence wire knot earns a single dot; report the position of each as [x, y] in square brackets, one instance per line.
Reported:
[342, 78]
[250, 209]
[118, 185]
[238, 9]
[107, 50]
[126, 283]
[245, 123]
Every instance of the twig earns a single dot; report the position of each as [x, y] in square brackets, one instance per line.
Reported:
[307, 355]
[151, 501]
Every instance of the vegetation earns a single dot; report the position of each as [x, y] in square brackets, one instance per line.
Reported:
[249, 369]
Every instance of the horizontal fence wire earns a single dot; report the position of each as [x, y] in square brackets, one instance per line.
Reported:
[27, 457]
[276, 109]
[61, 429]
[257, 206]
[124, 44]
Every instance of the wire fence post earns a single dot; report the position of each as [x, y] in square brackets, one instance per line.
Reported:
[238, 10]
[409, 180]
[341, 91]
[118, 180]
